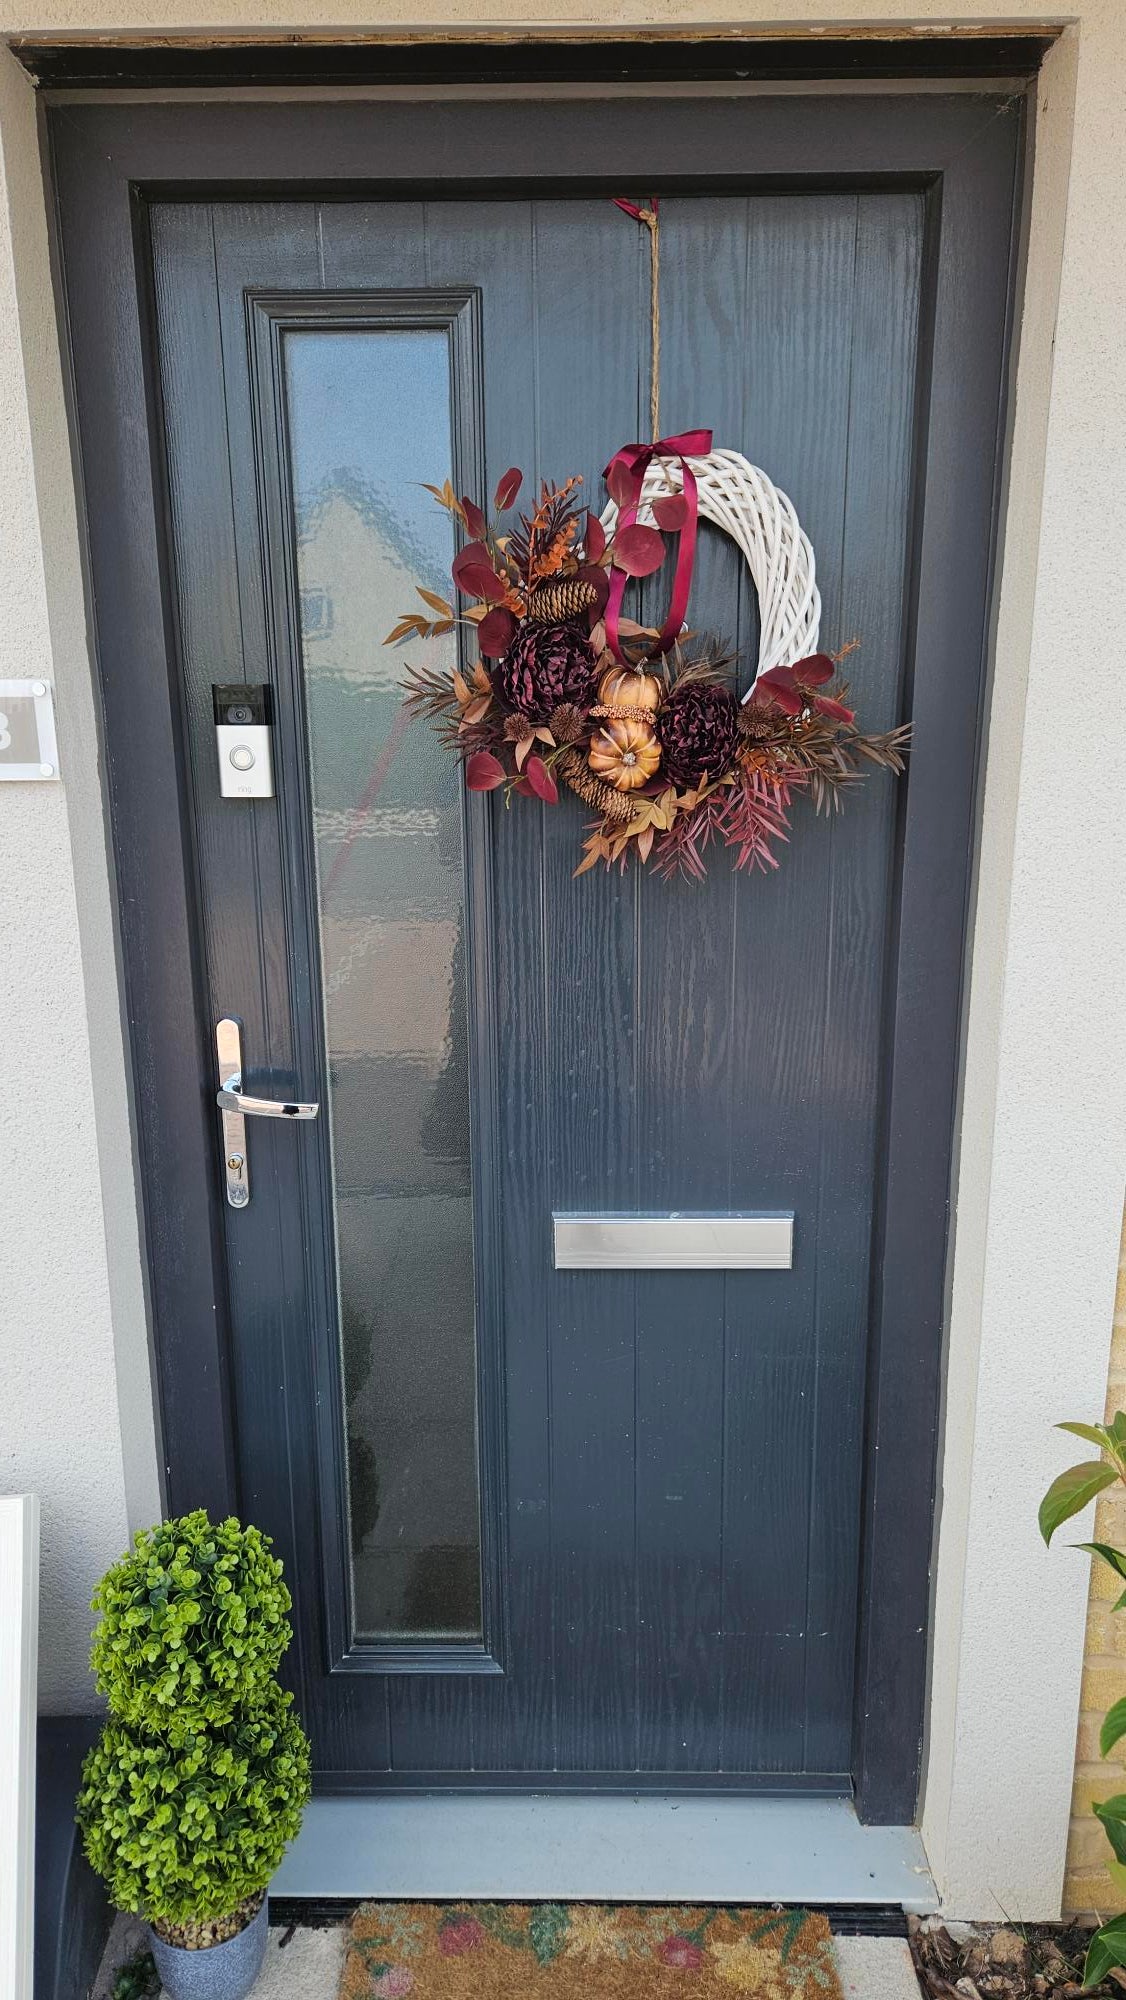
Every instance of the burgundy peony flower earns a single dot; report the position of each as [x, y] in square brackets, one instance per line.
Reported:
[545, 666]
[680, 1951]
[459, 1934]
[699, 731]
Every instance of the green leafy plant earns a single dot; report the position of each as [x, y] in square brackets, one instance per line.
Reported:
[187, 1831]
[138, 1979]
[1067, 1496]
[198, 1782]
[193, 1625]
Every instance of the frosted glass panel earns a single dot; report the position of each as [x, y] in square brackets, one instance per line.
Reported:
[370, 415]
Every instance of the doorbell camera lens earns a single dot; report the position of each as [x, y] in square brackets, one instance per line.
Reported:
[241, 704]
[242, 739]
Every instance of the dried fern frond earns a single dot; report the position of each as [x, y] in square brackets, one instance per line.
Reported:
[680, 849]
[430, 694]
[703, 658]
[758, 816]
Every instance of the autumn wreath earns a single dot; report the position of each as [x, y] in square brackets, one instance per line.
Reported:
[646, 726]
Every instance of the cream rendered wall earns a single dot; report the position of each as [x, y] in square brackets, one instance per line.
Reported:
[61, 1397]
[1043, 1140]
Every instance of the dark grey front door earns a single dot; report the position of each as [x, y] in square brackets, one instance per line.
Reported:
[557, 1527]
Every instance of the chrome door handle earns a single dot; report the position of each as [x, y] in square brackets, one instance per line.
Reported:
[231, 1096]
[236, 1107]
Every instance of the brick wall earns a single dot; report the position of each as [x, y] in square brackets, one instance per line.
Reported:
[1087, 1886]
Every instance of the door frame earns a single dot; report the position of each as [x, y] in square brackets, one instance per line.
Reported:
[966, 152]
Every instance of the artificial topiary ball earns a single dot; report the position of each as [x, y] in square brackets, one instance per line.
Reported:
[545, 666]
[186, 1832]
[698, 727]
[193, 1625]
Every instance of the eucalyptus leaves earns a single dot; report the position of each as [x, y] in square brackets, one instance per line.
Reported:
[1067, 1496]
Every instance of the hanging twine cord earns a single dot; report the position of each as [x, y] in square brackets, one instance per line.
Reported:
[650, 220]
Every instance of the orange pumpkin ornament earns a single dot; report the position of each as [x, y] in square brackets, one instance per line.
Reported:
[623, 688]
[626, 754]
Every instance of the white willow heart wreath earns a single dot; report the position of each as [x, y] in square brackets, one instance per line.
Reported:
[762, 520]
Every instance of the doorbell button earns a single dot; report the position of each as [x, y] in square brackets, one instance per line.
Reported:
[242, 757]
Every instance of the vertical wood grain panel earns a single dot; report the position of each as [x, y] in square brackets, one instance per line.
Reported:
[872, 568]
[222, 637]
[590, 977]
[795, 371]
[687, 1089]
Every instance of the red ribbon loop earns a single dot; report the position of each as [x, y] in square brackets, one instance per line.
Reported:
[627, 469]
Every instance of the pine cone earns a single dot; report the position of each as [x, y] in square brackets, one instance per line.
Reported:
[699, 731]
[557, 603]
[544, 666]
[609, 804]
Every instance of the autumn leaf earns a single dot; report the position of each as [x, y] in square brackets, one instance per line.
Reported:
[623, 484]
[507, 489]
[835, 710]
[479, 580]
[496, 632]
[446, 497]
[474, 518]
[461, 688]
[469, 557]
[670, 512]
[596, 849]
[645, 843]
[815, 670]
[410, 625]
[435, 602]
[594, 539]
[483, 772]
[541, 781]
[639, 551]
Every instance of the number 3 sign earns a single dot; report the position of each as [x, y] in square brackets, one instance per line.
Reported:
[28, 746]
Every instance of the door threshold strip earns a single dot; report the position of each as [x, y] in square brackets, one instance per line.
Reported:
[567, 1848]
[845, 1919]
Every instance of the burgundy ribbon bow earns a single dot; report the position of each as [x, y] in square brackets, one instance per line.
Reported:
[625, 476]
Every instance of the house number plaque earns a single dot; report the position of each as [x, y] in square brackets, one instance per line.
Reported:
[28, 747]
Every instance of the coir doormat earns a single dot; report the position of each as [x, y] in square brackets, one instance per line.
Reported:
[545, 1951]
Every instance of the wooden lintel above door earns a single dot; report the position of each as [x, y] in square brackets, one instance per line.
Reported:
[519, 57]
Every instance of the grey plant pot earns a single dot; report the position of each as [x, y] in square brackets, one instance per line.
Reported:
[222, 1972]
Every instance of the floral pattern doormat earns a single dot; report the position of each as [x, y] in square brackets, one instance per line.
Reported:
[586, 1951]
